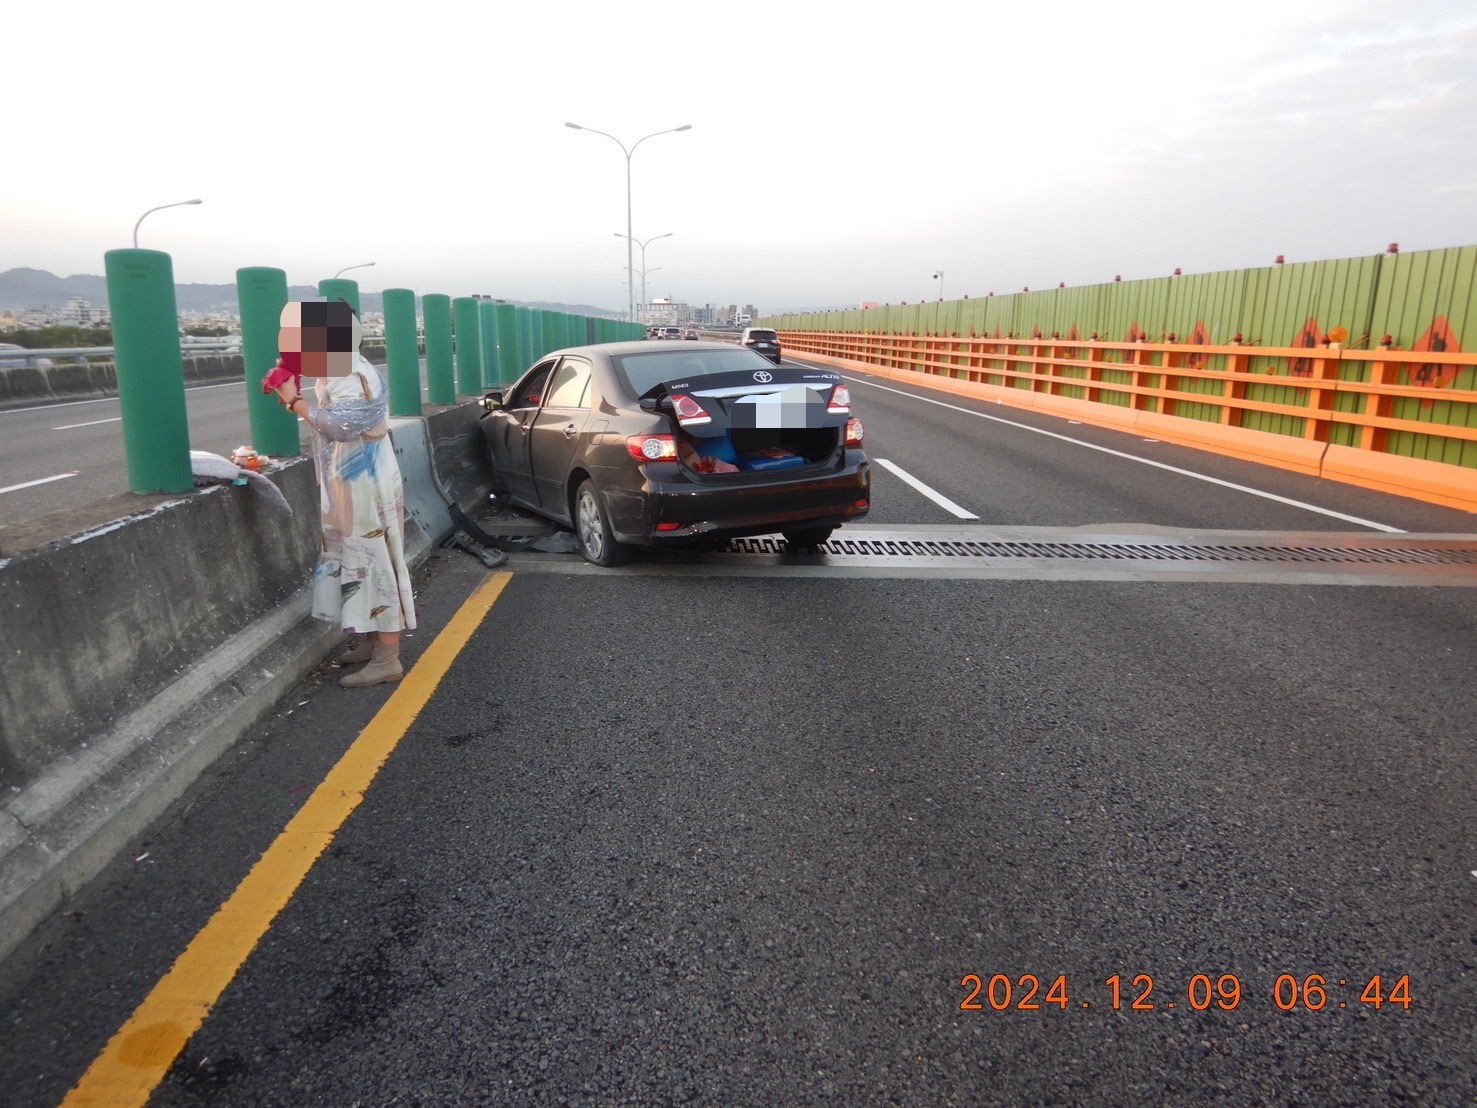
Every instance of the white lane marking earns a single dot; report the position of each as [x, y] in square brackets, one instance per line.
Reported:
[94, 423]
[937, 497]
[1145, 461]
[106, 399]
[41, 481]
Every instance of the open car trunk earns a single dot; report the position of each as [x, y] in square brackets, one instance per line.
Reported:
[757, 422]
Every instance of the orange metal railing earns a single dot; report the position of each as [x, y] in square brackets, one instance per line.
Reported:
[1396, 406]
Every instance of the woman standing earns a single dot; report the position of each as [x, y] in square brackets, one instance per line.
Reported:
[362, 582]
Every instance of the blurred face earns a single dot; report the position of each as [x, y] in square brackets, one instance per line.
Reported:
[318, 338]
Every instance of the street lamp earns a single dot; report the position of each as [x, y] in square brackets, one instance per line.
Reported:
[361, 265]
[939, 277]
[645, 303]
[160, 208]
[644, 270]
[630, 239]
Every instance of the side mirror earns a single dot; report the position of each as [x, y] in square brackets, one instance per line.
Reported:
[491, 400]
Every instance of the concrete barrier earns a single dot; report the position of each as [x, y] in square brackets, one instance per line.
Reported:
[140, 647]
[22, 386]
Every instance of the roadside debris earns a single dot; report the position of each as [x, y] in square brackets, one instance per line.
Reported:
[489, 557]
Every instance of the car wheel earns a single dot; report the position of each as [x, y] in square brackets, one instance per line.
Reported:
[807, 537]
[592, 529]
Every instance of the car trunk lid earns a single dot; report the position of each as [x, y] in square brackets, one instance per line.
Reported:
[761, 420]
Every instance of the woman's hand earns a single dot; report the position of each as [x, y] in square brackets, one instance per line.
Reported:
[287, 393]
[377, 432]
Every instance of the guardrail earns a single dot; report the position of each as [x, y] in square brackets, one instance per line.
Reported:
[1403, 411]
[1329, 394]
[81, 354]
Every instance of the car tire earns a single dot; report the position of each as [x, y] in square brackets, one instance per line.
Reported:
[807, 537]
[592, 529]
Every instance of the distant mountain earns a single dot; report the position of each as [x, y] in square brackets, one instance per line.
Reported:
[36, 288]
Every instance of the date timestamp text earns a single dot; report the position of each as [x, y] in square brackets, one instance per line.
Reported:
[1141, 993]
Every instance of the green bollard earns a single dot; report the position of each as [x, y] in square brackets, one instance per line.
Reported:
[487, 320]
[261, 291]
[553, 330]
[509, 361]
[440, 368]
[402, 353]
[341, 288]
[468, 346]
[528, 342]
[151, 370]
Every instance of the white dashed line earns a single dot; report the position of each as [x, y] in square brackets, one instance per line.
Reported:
[40, 481]
[937, 497]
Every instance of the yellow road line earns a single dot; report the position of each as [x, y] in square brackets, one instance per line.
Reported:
[141, 1052]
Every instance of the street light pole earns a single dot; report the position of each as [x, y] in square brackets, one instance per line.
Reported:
[630, 239]
[939, 277]
[644, 272]
[160, 208]
[643, 246]
[361, 265]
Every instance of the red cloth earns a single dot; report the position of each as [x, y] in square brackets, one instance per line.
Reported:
[289, 368]
[706, 464]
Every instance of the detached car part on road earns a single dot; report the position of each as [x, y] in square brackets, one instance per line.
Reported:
[655, 444]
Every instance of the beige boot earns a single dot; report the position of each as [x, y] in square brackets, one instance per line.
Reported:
[361, 652]
[384, 667]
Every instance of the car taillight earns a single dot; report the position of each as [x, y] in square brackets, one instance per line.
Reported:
[689, 412]
[854, 432]
[652, 448]
[749, 342]
[840, 402]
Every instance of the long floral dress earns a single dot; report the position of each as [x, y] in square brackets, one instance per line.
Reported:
[362, 582]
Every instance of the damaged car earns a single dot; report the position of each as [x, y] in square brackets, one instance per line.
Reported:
[654, 444]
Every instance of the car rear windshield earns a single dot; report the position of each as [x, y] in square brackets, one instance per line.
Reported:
[762, 335]
[643, 372]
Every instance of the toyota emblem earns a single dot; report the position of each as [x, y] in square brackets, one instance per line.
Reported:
[764, 377]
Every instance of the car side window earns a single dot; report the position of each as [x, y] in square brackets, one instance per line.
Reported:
[567, 390]
[531, 392]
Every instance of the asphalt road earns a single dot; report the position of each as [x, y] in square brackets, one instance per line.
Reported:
[59, 456]
[748, 839]
[70, 454]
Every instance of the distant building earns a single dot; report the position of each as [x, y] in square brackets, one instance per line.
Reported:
[81, 312]
[663, 312]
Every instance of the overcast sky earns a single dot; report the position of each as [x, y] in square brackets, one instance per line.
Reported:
[839, 152]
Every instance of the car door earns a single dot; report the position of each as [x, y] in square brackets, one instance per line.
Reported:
[510, 431]
[556, 434]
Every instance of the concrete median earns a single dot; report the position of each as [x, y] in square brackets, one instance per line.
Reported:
[144, 636]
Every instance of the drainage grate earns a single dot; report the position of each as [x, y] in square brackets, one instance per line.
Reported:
[859, 547]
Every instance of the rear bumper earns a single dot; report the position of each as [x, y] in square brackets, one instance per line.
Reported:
[734, 505]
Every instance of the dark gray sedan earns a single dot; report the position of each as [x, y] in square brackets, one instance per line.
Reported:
[662, 444]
